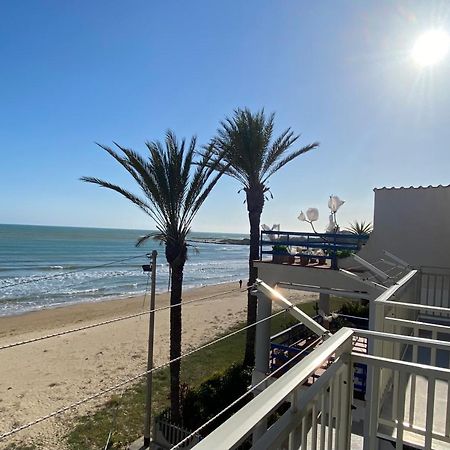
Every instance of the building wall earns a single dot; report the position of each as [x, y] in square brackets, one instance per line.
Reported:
[413, 224]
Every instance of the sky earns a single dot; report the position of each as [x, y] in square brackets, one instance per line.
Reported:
[341, 73]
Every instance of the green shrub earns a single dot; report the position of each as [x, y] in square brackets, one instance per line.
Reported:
[200, 404]
[355, 309]
[280, 250]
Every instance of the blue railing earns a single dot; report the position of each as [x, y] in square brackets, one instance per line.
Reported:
[288, 343]
[332, 245]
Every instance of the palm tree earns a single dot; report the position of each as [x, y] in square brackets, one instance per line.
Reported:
[360, 228]
[174, 183]
[244, 142]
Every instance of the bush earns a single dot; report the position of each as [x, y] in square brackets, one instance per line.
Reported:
[280, 250]
[355, 309]
[200, 404]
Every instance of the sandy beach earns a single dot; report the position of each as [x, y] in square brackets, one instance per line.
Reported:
[38, 378]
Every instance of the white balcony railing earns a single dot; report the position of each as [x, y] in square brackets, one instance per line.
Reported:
[408, 397]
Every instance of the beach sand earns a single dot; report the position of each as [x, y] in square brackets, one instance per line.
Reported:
[38, 378]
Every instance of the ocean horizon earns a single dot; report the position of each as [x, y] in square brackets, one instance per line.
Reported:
[47, 266]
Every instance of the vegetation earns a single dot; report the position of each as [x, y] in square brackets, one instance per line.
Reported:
[356, 309]
[280, 249]
[20, 447]
[344, 253]
[251, 155]
[213, 395]
[124, 414]
[171, 194]
[360, 228]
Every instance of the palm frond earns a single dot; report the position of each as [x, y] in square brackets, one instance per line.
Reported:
[245, 141]
[360, 227]
[174, 183]
[287, 159]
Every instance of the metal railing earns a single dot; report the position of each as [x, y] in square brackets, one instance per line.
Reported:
[310, 246]
[321, 413]
[167, 434]
[290, 414]
[408, 382]
[409, 401]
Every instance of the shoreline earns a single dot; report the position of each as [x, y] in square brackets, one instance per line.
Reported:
[41, 377]
[111, 298]
[62, 315]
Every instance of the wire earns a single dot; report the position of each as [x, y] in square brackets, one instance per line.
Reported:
[56, 275]
[133, 378]
[253, 388]
[117, 319]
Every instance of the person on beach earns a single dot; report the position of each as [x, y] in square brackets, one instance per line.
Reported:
[240, 284]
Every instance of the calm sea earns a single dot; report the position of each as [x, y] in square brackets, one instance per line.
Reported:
[43, 266]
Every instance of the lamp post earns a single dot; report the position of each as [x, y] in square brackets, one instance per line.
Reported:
[151, 332]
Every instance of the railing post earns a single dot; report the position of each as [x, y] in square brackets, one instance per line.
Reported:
[334, 264]
[345, 392]
[261, 245]
[296, 434]
[371, 411]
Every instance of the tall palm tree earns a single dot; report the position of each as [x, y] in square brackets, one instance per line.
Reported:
[173, 184]
[244, 143]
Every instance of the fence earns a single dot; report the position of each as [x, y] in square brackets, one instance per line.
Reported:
[308, 246]
[167, 434]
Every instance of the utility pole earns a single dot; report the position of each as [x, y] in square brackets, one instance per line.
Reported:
[151, 333]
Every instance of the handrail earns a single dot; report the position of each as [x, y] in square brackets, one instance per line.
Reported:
[411, 340]
[241, 424]
[405, 366]
[312, 234]
[417, 306]
[388, 293]
[330, 243]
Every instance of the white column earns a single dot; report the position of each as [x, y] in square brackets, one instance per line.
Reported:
[262, 338]
[262, 351]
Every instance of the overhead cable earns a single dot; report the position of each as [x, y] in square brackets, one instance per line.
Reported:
[252, 389]
[133, 378]
[63, 274]
[117, 319]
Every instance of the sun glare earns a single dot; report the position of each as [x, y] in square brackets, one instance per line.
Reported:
[431, 47]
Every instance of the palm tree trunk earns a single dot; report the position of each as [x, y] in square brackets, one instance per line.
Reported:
[255, 204]
[175, 341]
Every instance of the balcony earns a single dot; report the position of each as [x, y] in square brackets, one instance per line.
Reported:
[319, 250]
[314, 404]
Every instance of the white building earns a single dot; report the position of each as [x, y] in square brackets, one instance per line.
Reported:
[405, 400]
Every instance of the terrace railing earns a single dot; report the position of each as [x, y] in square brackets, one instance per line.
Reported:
[408, 384]
[307, 246]
[321, 412]
[293, 414]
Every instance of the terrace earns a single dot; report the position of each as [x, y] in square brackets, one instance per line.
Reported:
[373, 388]
[407, 400]
[321, 250]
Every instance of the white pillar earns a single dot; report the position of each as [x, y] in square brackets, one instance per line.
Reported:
[262, 338]
[262, 351]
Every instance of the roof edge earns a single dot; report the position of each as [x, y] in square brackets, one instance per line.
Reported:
[394, 188]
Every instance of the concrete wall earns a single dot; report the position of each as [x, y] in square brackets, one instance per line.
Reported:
[413, 224]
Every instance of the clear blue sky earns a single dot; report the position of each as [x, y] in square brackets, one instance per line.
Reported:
[73, 73]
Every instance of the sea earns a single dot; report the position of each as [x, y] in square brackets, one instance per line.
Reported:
[48, 266]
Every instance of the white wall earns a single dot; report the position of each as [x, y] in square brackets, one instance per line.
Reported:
[413, 224]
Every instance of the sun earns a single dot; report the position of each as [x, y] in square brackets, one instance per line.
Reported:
[431, 47]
